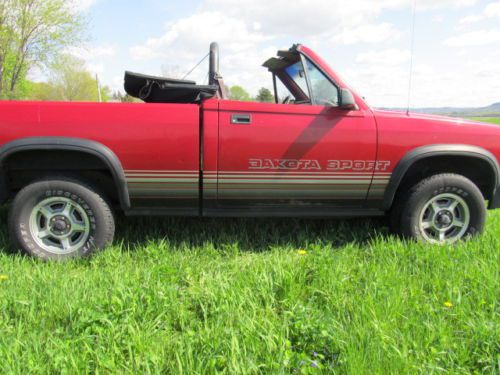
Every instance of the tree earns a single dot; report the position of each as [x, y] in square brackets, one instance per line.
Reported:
[239, 93]
[33, 32]
[72, 80]
[69, 81]
[43, 91]
[265, 96]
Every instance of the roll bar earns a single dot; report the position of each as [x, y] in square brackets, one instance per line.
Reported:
[214, 77]
[213, 73]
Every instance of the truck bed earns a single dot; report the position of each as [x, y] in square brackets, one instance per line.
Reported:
[159, 140]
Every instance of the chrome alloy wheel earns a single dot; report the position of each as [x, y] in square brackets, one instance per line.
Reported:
[444, 219]
[59, 225]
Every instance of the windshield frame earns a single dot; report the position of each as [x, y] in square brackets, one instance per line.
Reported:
[293, 87]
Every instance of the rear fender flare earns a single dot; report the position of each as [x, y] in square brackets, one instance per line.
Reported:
[97, 149]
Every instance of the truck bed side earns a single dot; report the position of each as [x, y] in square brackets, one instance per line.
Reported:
[157, 144]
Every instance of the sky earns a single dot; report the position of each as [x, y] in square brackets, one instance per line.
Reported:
[456, 59]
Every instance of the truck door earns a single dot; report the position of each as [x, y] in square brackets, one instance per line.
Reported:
[303, 155]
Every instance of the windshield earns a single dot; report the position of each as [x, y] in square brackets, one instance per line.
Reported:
[296, 73]
[323, 90]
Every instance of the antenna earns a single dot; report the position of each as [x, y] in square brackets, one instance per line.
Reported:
[412, 52]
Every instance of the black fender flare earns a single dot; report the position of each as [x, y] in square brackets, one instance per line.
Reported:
[73, 144]
[423, 152]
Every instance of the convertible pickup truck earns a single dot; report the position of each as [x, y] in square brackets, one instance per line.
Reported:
[318, 151]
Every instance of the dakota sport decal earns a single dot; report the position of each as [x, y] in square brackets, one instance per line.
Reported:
[314, 165]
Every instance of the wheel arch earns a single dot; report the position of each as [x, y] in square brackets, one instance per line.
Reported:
[436, 152]
[88, 147]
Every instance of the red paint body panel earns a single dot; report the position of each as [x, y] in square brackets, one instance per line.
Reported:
[288, 155]
[400, 133]
[152, 136]
[284, 132]
[144, 137]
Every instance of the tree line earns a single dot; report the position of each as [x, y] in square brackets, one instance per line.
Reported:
[36, 35]
[239, 93]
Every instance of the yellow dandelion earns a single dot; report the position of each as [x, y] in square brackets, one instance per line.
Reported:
[3, 277]
[448, 304]
[301, 252]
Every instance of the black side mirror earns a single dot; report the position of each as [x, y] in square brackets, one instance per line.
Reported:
[347, 100]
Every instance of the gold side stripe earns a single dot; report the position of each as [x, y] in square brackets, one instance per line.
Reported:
[161, 175]
[159, 171]
[166, 180]
[339, 177]
[269, 172]
[297, 175]
[301, 172]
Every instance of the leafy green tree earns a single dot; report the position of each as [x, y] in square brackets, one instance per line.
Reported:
[73, 82]
[239, 93]
[33, 32]
[69, 81]
[44, 91]
[265, 96]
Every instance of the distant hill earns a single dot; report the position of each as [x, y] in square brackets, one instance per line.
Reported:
[489, 111]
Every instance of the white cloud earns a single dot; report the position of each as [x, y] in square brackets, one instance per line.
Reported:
[474, 38]
[92, 52]
[188, 38]
[116, 83]
[367, 34]
[435, 4]
[492, 10]
[95, 68]
[315, 17]
[183, 44]
[306, 18]
[464, 85]
[83, 5]
[387, 57]
[470, 19]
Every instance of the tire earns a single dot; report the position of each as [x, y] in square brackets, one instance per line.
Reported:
[60, 218]
[443, 208]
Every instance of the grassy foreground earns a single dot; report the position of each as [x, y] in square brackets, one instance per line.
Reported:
[206, 296]
[187, 296]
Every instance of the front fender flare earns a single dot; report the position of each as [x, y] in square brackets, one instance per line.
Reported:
[73, 144]
[437, 150]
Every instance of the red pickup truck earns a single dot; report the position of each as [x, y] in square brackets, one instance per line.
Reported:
[318, 151]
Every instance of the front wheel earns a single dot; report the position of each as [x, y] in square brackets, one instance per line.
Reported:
[59, 218]
[441, 209]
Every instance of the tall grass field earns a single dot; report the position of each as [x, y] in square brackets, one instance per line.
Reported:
[254, 296]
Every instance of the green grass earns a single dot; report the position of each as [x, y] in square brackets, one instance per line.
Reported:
[493, 120]
[186, 296]
[206, 296]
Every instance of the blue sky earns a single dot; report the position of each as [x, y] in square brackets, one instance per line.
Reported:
[456, 60]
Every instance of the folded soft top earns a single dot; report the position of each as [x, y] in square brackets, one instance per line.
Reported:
[153, 89]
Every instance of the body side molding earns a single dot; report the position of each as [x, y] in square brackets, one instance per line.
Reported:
[423, 152]
[73, 144]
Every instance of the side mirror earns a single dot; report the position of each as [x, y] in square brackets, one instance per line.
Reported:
[347, 100]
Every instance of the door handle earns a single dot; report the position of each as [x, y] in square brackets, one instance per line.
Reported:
[239, 119]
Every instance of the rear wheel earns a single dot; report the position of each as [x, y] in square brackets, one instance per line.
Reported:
[60, 218]
[443, 208]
